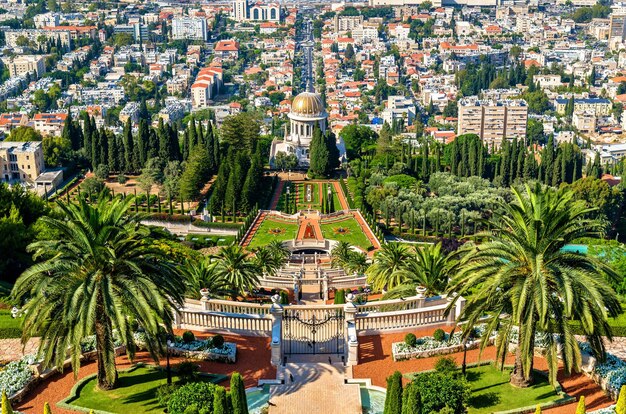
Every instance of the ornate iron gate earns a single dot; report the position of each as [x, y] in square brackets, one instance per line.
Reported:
[313, 331]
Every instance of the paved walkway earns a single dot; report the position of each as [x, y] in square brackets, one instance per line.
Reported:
[317, 388]
[276, 196]
[12, 349]
[311, 221]
[341, 196]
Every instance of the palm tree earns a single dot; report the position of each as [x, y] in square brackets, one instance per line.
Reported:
[383, 273]
[267, 260]
[279, 251]
[428, 267]
[98, 273]
[339, 255]
[201, 274]
[528, 284]
[234, 265]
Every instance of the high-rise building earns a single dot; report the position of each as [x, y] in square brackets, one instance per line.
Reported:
[617, 30]
[190, 28]
[493, 120]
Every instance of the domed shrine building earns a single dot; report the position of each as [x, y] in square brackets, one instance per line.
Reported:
[307, 110]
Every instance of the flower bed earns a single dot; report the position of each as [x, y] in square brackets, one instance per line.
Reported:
[16, 376]
[197, 349]
[428, 346]
[610, 375]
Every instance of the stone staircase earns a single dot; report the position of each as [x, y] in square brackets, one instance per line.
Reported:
[312, 385]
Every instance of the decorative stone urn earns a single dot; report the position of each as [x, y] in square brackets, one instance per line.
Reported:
[420, 290]
[204, 292]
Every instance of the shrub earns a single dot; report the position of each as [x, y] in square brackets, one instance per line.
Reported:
[340, 297]
[6, 404]
[439, 390]
[195, 393]
[217, 341]
[238, 394]
[187, 371]
[620, 407]
[538, 410]
[164, 392]
[220, 406]
[284, 298]
[580, 409]
[188, 337]
[46, 408]
[439, 335]
[393, 399]
[411, 400]
[445, 365]
[410, 339]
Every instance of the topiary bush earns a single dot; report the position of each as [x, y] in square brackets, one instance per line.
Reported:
[439, 335]
[187, 371]
[440, 390]
[200, 394]
[410, 339]
[445, 365]
[188, 337]
[217, 341]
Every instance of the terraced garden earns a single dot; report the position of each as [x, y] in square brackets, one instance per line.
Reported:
[273, 229]
[345, 229]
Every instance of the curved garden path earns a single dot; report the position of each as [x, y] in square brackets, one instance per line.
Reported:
[253, 356]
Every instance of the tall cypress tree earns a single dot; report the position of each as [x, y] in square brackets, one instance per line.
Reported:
[318, 154]
[128, 147]
[210, 146]
[112, 156]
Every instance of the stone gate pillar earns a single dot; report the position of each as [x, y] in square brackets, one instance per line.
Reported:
[325, 286]
[276, 310]
[352, 341]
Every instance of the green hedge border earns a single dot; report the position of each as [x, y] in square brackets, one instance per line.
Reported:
[565, 398]
[66, 403]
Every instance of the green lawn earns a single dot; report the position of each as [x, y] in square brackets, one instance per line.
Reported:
[9, 327]
[492, 392]
[136, 392]
[263, 236]
[353, 235]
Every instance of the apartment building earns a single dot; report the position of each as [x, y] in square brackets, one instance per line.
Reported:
[347, 23]
[617, 30]
[227, 49]
[21, 162]
[493, 120]
[49, 124]
[34, 36]
[189, 28]
[599, 106]
[207, 84]
[25, 64]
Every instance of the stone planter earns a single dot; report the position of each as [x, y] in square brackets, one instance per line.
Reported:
[414, 353]
[227, 354]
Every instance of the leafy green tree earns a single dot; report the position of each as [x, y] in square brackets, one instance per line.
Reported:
[100, 264]
[284, 161]
[24, 134]
[523, 275]
[411, 400]
[56, 151]
[580, 408]
[357, 138]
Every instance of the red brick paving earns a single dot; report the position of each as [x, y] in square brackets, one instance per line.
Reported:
[375, 362]
[253, 362]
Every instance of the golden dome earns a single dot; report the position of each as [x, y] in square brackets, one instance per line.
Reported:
[308, 104]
